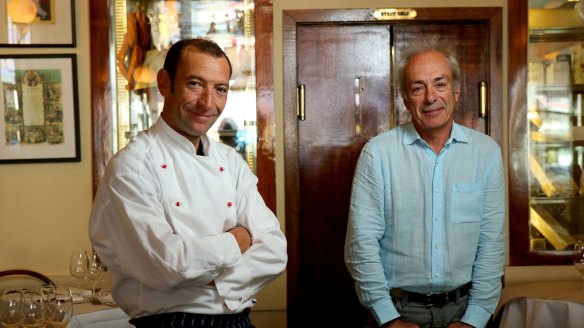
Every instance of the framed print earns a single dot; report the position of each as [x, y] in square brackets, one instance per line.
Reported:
[37, 23]
[39, 108]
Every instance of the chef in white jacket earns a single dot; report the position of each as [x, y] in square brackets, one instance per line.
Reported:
[177, 218]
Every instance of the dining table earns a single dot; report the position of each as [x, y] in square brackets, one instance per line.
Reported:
[542, 304]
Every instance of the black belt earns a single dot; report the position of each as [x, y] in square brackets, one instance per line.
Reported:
[432, 299]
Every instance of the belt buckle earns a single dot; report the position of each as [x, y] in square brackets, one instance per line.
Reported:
[431, 297]
[429, 302]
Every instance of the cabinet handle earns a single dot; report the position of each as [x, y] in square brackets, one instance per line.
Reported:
[483, 99]
[357, 91]
[484, 104]
[300, 102]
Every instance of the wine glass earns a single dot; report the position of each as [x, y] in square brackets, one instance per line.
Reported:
[11, 307]
[59, 308]
[95, 273]
[34, 307]
[578, 256]
[78, 265]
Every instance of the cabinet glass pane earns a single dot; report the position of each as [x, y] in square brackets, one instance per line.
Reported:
[143, 30]
[555, 121]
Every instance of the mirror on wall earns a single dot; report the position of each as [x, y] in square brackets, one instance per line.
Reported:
[143, 30]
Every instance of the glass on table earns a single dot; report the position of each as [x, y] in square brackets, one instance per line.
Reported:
[59, 309]
[578, 256]
[33, 300]
[11, 307]
[78, 265]
[95, 273]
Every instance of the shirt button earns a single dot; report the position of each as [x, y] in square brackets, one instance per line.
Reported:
[436, 247]
[229, 204]
[221, 169]
[436, 190]
[437, 274]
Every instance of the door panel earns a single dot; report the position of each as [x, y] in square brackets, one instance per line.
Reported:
[330, 59]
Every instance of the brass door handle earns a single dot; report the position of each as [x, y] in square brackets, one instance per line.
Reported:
[357, 91]
[483, 99]
[484, 105]
[300, 102]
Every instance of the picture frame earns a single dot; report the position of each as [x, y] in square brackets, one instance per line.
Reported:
[37, 23]
[39, 109]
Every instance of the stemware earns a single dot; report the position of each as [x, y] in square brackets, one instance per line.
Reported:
[33, 306]
[95, 273]
[578, 256]
[11, 307]
[78, 265]
[59, 309]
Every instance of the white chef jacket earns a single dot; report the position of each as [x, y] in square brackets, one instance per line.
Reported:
[159, 222]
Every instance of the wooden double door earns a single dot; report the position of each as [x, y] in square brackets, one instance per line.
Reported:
[338, 71]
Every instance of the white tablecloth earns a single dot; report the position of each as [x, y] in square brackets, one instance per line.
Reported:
[542, 313]
[557, 304]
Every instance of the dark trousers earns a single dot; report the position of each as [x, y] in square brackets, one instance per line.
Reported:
[194, 320]
[432, 316]
[427, 316]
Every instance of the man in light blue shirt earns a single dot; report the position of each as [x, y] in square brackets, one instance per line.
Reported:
[425, 240]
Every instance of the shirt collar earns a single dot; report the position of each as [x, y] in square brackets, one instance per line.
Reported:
[169, 132]
[411, 135]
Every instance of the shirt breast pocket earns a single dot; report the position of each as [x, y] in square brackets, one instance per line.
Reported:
[466, 202]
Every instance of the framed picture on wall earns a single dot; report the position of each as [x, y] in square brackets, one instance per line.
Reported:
[39, 109]
[37, 23]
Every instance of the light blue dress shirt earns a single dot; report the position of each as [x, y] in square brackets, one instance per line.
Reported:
[427, 222]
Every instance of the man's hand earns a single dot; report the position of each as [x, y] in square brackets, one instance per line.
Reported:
[243, 238]
[459, 324]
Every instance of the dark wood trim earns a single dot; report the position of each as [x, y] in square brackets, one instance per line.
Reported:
[266, 123]
[292, 176]
[101, 95]
[518, 193]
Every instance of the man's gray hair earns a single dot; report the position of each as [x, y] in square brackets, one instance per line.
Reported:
[426, 44]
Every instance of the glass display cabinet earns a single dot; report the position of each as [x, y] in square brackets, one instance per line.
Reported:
[546, 134]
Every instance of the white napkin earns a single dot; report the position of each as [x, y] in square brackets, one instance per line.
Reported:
[80, 295]
[106, 298]
[110, 318]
